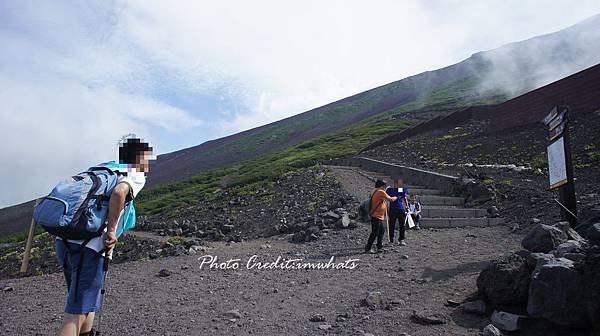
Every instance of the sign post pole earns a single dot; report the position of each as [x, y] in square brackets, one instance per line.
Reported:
[560, 167]
[566, 194]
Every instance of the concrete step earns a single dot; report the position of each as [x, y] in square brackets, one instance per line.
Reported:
[441, 200]
[453, 213]
[460, 222]
[421, 192]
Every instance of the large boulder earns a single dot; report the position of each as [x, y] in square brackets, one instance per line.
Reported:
[506, 280]
[544, 238]
[591, 286]
[571, 233]
[556, 293]
[589, 215]
[593, 234]
[568, 247]
[507, 321]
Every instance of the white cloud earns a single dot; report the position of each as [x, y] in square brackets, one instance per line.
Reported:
[281, 58]
[55, 129]
[90, 70]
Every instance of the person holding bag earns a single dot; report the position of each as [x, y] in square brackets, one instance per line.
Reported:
[397, 211]
[378, 210]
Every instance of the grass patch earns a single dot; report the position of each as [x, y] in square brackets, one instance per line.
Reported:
[508, 183]
[539, 161]
[176, 240]
[21, 236]
[488, 181]
[473, 146]
[256, 175]
[594, 156]
[452, 136]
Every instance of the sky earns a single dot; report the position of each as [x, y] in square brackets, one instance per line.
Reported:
[77, 75]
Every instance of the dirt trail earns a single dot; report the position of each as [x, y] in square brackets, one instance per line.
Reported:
[437, 265]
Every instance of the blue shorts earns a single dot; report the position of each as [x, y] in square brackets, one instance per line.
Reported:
[84, 298]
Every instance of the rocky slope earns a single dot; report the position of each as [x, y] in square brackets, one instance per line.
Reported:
[512, 165]
[403, 290]
[307, 203]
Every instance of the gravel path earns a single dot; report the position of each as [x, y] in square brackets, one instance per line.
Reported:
[434, 267]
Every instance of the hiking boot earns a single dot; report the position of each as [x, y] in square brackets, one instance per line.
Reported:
[401, 243]
[371, 251]
[418, 227]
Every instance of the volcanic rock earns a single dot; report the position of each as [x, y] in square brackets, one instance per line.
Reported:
[506, 280]
[544, 238]
[555, 293]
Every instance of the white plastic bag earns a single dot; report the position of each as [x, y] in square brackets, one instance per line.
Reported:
[410, 221]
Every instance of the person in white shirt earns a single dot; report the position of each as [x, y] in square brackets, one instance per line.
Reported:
[84, 298]
[414, 209]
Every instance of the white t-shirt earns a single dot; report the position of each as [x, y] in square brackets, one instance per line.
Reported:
[136, 181]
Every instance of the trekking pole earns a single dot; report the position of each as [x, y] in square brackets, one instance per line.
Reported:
[107, 259]
[26, 254]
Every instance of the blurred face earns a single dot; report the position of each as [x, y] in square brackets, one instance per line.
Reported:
[398, 183]
[143, 161]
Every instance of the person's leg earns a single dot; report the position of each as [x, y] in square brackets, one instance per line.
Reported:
[71, 325]
[372, 235]
[415, 218]
[402, 219]
[88, 323]
[83, 299]
[380, 233]
[392, 216]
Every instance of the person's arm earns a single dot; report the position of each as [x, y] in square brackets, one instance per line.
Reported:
[388, 197]
[115, 206]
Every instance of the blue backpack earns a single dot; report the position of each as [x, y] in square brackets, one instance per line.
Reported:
[78, 208]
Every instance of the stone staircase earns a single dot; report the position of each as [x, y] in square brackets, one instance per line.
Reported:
[440, 210]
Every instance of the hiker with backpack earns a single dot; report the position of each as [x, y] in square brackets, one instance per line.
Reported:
[87, 214]
[397, 211]
[377, 210]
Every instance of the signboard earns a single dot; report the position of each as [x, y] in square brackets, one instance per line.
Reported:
[556, 131]
[550, 116]
[557, 121]
[557, 163]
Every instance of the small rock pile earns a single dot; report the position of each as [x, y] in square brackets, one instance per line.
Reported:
[555, 280]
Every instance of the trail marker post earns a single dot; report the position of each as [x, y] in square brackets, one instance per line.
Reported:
[560, 167]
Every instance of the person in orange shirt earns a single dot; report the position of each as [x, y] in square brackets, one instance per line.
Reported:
[379, 207]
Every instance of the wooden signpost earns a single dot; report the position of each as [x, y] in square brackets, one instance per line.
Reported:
[560, 167]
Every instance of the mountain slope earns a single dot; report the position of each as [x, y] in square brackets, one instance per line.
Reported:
[253, 158]
[485, 77]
